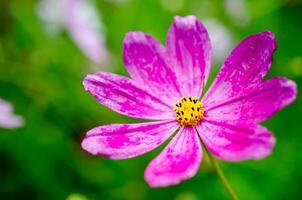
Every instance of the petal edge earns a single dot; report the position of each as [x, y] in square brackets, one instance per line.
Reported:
[179, 160]
[122, 141]
[234, 144]
[125, 97]
[189, 44]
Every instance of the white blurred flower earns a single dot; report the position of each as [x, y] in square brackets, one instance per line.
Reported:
[7, 118]
[221, 39]
[237, 11]
[81, 20]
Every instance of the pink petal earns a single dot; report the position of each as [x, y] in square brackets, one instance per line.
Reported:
[125, 97]
[82, 22]
[121, 141]
[145, 59]
[177, 162]
[234, 143]
[189, 43]
[253, 104]
[244, 68]
[8, 119]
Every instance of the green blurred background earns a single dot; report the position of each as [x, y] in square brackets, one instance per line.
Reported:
[42, 76]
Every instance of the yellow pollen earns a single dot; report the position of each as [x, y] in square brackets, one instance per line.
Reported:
[189, 111]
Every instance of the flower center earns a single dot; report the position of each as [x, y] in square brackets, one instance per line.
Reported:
[189, 111]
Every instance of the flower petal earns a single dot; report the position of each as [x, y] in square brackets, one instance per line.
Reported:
[8, 119]
[177, 162]
[82, 22]
[234, 143]
[245, 67]
[189, 43]
[121, 141]
[253, 105]
[125, 97]
[145, 59]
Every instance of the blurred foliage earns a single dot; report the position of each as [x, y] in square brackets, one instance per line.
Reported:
[42, 76]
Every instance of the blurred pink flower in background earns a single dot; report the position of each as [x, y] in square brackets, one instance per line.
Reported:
[221, 39]
[238, 12]
[81, 20]
[226, 119]
[7, 118]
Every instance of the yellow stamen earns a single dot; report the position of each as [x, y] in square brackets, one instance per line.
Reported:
[189, 111]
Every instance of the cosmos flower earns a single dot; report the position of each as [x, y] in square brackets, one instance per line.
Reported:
[82, 22]
[8, 119]
[166, 85]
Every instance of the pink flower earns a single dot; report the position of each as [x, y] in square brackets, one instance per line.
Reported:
[227, 118]
[8, 119]
[81, 20]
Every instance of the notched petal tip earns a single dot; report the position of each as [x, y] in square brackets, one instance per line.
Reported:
[270, 35]
[95, 146]
[123, 141]
[164, 183]
[189, 23]
[134, 36]
[236, 144]
[189, 19]
[179, 160]
[86, 81]
[189, 43]
[135, 45]
[267, 142]
[90, 145]
[138, 38]
[87, 146]
[267, 37]
[291, 86]
[267, 148]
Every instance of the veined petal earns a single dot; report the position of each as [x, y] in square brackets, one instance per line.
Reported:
[245, 67]
[179, 161]
[121, 141]
[125, 97]
[188, 42]
[255, 104]
[234, 143]
[145, 59]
